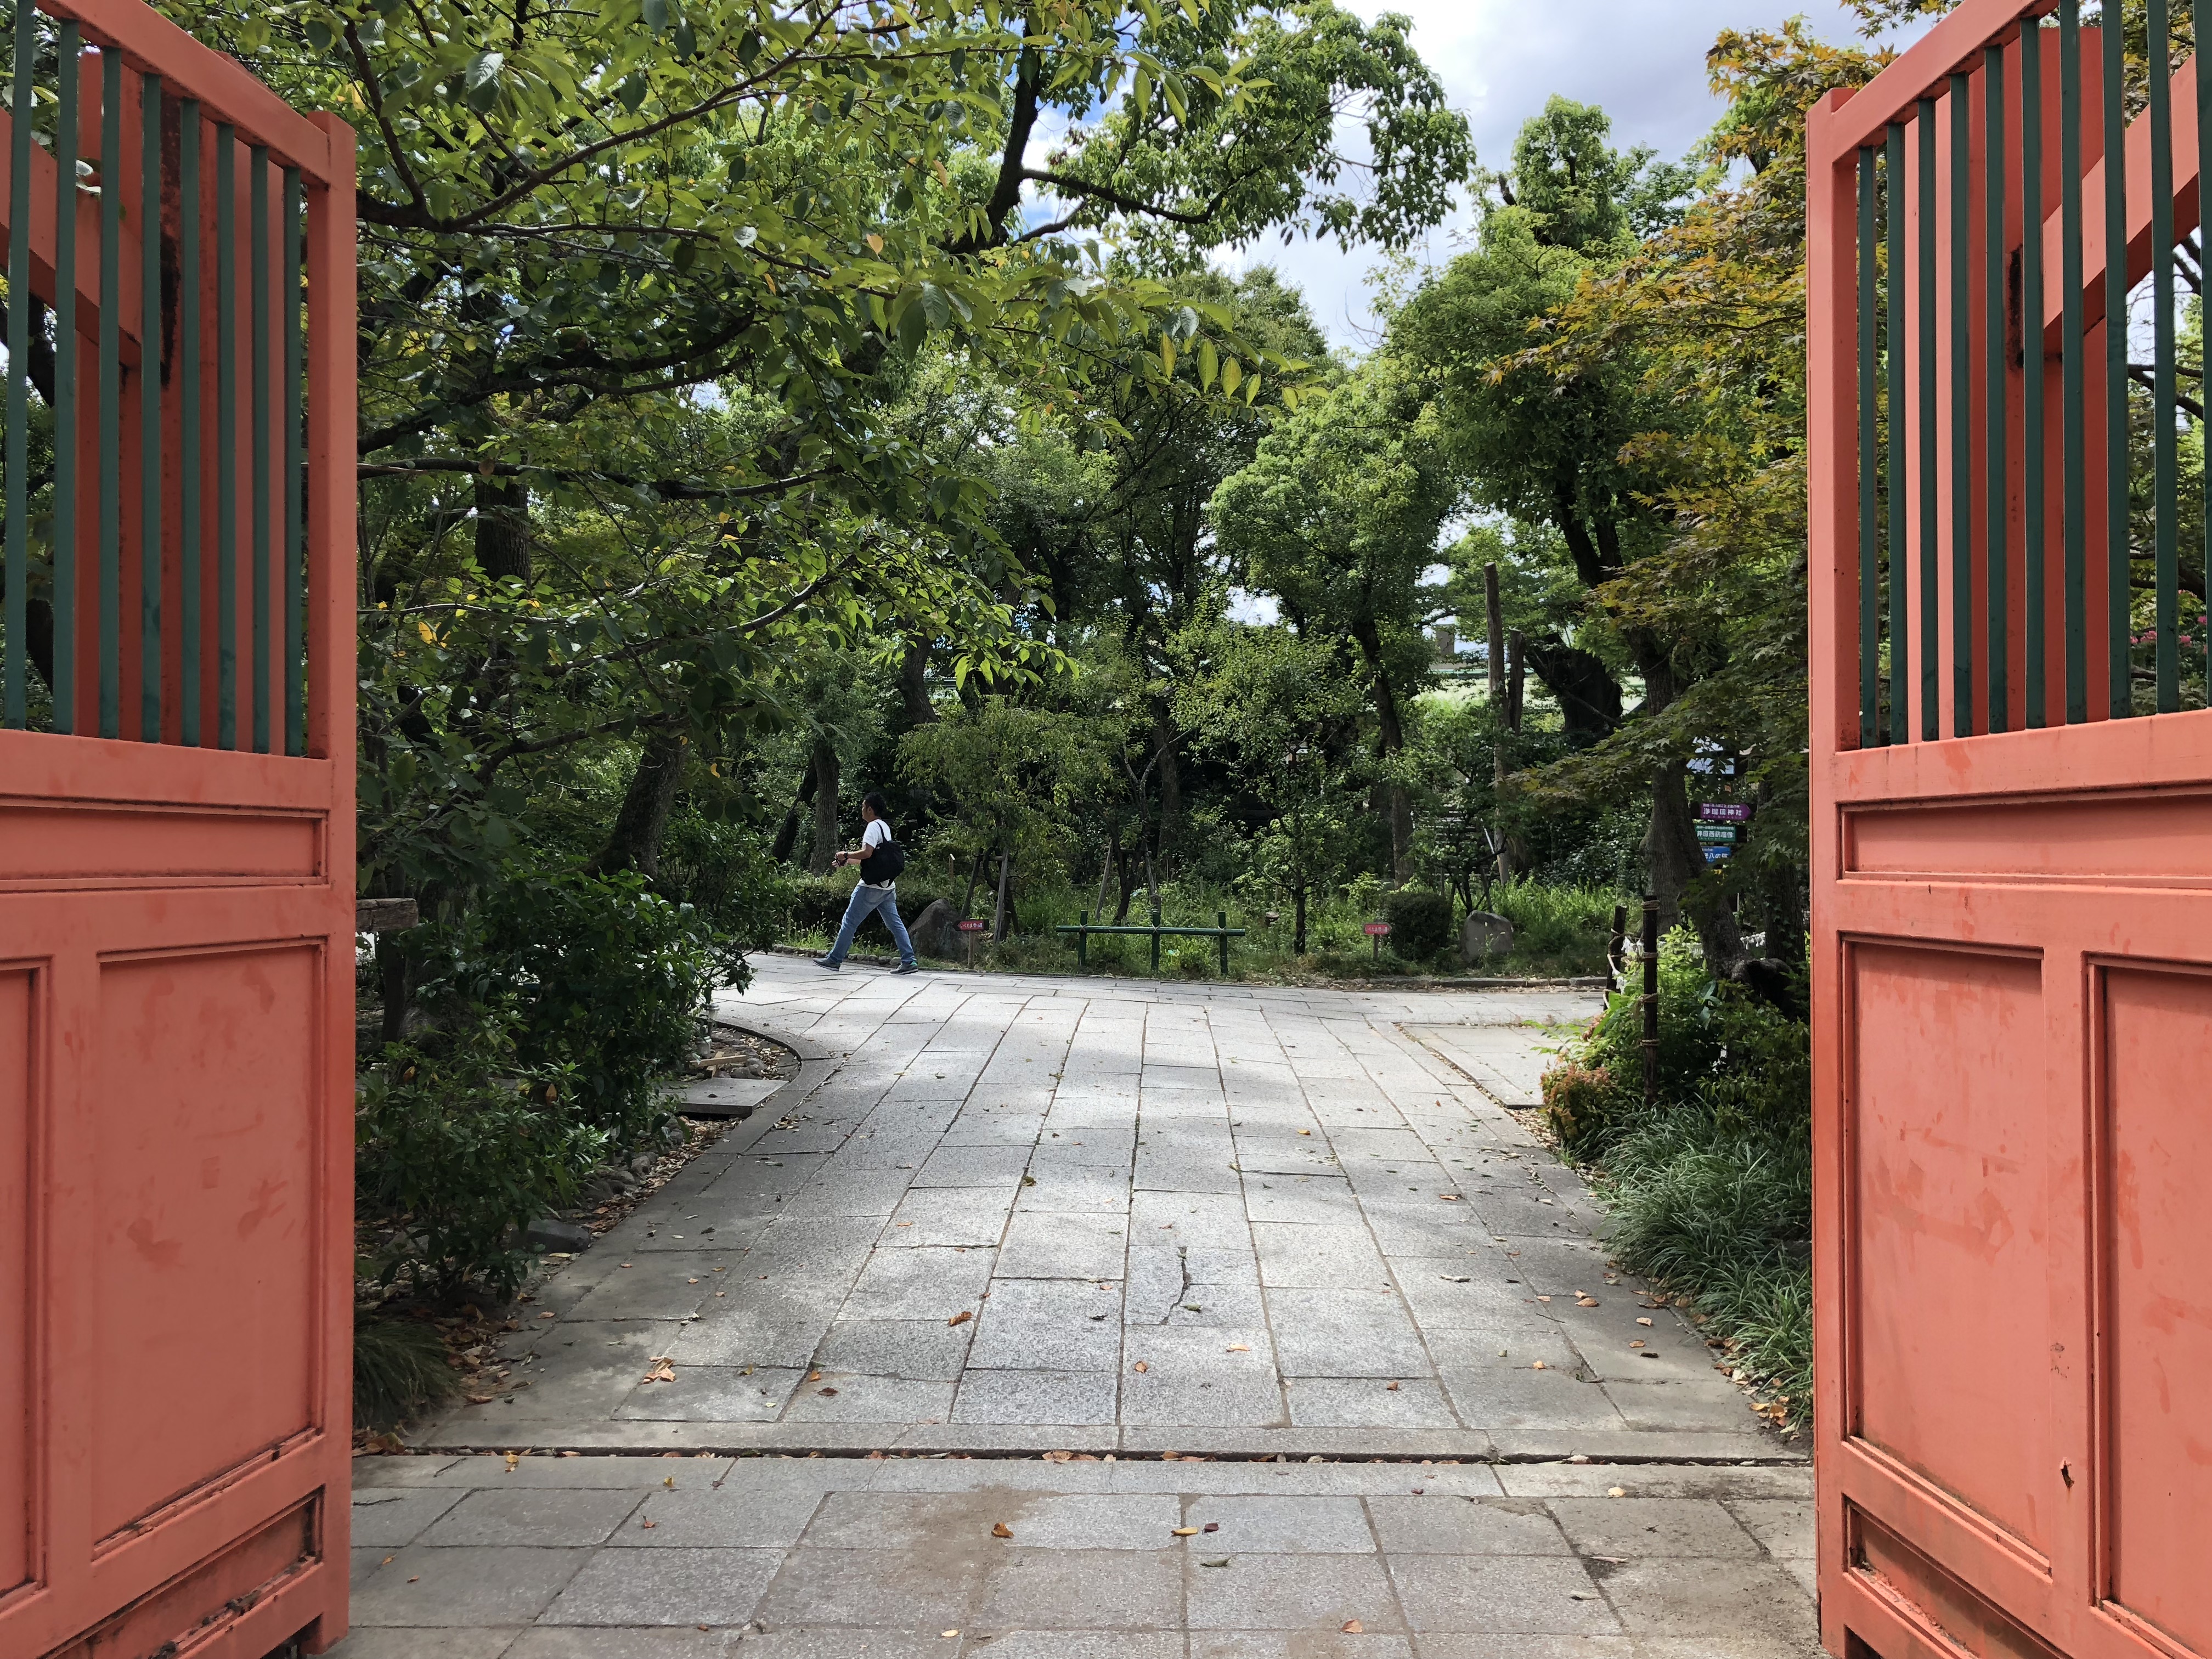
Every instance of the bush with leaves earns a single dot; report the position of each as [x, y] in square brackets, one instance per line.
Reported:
[607, 977]
[1420, 923]
[458, 1145]
[1711, 1184]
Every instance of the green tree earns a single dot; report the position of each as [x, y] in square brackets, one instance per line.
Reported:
[1337, 517]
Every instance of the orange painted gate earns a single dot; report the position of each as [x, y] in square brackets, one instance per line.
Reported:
[176, 849]
[2012, 766]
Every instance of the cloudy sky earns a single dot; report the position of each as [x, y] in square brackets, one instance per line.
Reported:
[1642, 60]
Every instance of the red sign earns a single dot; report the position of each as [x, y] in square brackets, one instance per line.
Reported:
[972, 927]
[1376, 929]
[1725, 811]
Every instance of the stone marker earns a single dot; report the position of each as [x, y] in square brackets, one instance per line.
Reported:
[933, 933]
[1482, 936]
[550, 1232]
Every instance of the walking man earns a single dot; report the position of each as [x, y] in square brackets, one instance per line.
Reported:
[880, 859]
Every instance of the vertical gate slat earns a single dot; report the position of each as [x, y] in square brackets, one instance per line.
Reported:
[189, 348]
[2113, 59]
[2034, 574]
[1901, 634]
[150, 412]
[1923, 416]
[256, 179]
[68, 87]
[1996, 440]
[295, 690]
[1870, 464]
[111, 392]
[1962, 416]
[2166, 461]
[2075, 498]
[225, 438]
[13, 701]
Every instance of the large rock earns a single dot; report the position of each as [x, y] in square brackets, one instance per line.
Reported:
[934, 932]
[1484, 937]
[550, 1232]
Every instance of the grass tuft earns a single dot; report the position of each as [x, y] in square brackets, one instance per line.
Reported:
[399, 1371]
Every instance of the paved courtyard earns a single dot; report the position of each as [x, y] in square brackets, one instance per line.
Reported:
[1161, 1233]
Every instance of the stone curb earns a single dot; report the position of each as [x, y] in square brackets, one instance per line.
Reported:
[1410, 983]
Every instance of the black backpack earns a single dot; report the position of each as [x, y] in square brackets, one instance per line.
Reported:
[885, 862]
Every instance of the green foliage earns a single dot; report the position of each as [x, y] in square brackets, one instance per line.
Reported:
[459, 1143]
[609, 981]
[1421, 923]
[399, 1371]
[1559, 928]
[1712, 1186]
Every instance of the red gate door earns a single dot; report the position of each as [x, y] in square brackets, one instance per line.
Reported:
[176, 849]
[2012, 765]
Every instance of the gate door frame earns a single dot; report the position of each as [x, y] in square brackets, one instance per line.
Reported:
[2012, 848]
[176, 849]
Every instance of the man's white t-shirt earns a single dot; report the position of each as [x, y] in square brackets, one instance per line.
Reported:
[875, 834]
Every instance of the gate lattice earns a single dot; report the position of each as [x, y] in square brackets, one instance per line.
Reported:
[2012, 766]
[176, 847]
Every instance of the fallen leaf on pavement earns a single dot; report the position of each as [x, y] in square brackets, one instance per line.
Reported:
[1448, 1198]
[961, 1318]
[1221, 1563]
[1536, 1365]
[480, 1400]
[1390, 1388]
[648, 1524]
[1455, 1278]
[1000, 1529]
[948, 1634]
[1616, 1492]
[1238, 1347]
[1354, 1627]
[826, 1391]
[1641, 1321]
[1213, 1525]
[1185, 1532]
[664, 1370]
[1141, 1366]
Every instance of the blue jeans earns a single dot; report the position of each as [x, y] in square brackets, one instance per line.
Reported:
[866, 901]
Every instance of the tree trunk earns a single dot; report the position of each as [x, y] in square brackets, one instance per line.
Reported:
[1298, 928]
[1677, 861]
[1126, 875]
[823, 859]
[1005, 876]
[1170, 818]
[975, 880]
[635, 841]
[788, 836]
[914, 684]
[1516, 683]
[396, 982]
[502, 527]
[1588, 695]
[1106, 863]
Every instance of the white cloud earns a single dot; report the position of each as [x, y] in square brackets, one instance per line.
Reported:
[1643, 61]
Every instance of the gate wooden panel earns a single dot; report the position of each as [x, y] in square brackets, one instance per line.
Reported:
[176, 847]
[2011, 778]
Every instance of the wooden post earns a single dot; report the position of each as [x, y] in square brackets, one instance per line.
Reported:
[1083, 939]
[1650, 1000]
[999, 915]
[1156, 939]
[1221, 921]
[1517, 678]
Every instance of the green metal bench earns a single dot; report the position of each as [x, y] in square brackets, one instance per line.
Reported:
[1084, 929]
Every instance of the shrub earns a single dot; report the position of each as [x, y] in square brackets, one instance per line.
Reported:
[1710, 1184]
[723, 871]
[1420, 923]
[608, 978]
[458, 1146]
[818, 904]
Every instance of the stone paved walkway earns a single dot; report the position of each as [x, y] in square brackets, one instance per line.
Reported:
[1000, 1217]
